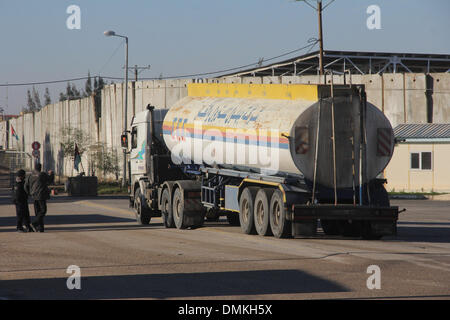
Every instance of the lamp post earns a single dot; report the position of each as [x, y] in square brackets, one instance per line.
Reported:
[110, 33]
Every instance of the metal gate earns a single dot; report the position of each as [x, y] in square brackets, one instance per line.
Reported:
[10, 162]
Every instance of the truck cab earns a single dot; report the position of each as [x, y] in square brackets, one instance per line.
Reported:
[145, 144]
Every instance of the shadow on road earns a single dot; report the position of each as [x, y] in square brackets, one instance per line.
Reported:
[160, 286]
[434, 232]
[5, 198]
[64, 222]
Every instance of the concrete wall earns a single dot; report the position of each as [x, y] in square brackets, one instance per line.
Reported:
[3, 134]
[159, 93]
[45, 127]
[400, 96]
[441, 97]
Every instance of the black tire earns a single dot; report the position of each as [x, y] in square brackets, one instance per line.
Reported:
[330, 227]
[233, 219]
[199, 220]
[246, 217]
[262, 212]
[178, 212]
[166, 210]
[280, 226]
[143, 214]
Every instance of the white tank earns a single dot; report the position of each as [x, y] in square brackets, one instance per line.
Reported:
[273, 129]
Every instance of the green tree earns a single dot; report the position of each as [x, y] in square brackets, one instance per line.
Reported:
[98, 86]
[105, 160]
[75, 92]
[47, 98]
[31, 106]
[88, 86]
[37, 100]
[62, 97]
[71, 136]
[69, 92]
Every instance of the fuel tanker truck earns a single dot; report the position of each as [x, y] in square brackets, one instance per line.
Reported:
[275, 159]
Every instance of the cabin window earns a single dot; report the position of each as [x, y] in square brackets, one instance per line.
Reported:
[426, 160]
[421, 160]
[134, 138]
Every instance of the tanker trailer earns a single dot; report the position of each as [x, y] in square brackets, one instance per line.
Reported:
[275, 159]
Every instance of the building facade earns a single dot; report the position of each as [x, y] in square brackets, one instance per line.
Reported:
[421, 160]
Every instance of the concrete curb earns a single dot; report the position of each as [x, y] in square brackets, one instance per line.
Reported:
[441, 197]
[408, 197]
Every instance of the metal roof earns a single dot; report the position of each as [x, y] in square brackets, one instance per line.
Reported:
[354, 61]
[423, 131]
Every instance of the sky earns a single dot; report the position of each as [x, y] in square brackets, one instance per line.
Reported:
[179, 37]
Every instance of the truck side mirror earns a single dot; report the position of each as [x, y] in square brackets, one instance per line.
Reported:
[124, 141]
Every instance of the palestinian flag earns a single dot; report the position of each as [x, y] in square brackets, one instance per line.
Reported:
[77, 158]
[14, 134]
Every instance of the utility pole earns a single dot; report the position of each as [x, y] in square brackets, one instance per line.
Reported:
[136, 70]
[319, 12]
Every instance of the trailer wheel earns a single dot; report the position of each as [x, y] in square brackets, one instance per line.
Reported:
[246, 217]
[166, 211]
[179, 215]
[262, 212]
[280, 226]
[143, 214]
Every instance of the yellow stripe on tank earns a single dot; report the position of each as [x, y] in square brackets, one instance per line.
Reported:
[254, 91]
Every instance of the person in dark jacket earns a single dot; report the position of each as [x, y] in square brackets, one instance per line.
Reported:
[36, 185]
[20, 199]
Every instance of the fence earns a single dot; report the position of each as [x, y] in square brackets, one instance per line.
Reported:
[10, 162]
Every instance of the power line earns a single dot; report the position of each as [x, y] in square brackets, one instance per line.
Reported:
[110, 58]
[232, 69]
[41, 82]
[157, 78]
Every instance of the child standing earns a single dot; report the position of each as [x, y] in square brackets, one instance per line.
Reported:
[20, 199]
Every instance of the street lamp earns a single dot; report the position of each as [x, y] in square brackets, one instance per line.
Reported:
[111, 33]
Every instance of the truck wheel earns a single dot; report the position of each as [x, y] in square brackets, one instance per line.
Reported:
[280, 226]
[179, 215]
[262, 212]
[166, 211]
[199, 220]
[246, 217]
[143, 214]
[233, 219]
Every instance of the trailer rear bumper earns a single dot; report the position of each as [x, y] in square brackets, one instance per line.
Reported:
[380, 220]
[344, 212]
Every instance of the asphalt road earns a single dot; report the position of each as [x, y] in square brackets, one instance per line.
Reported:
[121, 260]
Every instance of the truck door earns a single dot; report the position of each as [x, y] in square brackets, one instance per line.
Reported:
[137, 152]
